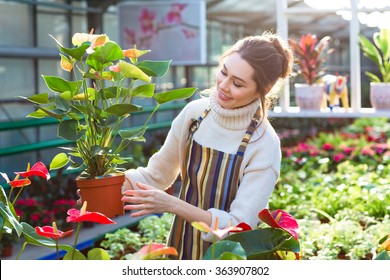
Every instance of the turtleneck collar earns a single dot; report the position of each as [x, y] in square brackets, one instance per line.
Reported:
[235, 119]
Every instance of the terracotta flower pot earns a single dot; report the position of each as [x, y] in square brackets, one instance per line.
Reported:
[7, 250]
[380, 96]
[103, 195]
[309, 97]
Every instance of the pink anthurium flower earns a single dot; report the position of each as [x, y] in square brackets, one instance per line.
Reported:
[38, 169]
[82, 215]
[114, 68]
[52, 232]
[154, 250]
[280, 219]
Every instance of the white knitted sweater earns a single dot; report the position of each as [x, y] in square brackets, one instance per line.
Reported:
[222, 129]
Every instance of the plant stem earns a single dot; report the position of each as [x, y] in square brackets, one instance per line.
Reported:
[21, 250]
[75, 241]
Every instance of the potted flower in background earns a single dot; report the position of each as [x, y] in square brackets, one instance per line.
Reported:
[310, 54]
[92, 109]
[378, 52]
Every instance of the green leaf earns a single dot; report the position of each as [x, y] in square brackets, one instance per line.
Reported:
[384, 255]
[9, 218]
[131, 71]
[133, 134]
[76, 255]
[60, 85]
[76, 53]
[175, 94]
[38, 114]
[123, 109]
[224, 250]
[42, 98]
[264, 243]
[155, 68]
[104, 55]
[143, 91]
[98, 254]
[59, 161]
[69, 130]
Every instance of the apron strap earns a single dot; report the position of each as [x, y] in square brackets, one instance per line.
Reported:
[249, 132]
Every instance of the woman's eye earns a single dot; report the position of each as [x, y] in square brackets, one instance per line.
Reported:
[223, 73]
[236, 84]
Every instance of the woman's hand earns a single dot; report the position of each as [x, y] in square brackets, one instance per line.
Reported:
[147, 200]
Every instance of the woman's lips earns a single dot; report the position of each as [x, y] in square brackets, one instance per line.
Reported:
[223, 97]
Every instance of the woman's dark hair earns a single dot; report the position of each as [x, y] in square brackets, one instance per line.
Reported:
[270, 57]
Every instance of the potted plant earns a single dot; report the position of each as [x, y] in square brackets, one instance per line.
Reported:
[7, 243]
[310, 54]
[92, 110]
[378, 52]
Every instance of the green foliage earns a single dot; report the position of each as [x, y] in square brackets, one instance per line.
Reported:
[94, 108]
[342, 204]
[124, 242]
[378, 51]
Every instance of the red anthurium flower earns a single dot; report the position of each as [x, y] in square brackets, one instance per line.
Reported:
[280, 219]
[241, 227]
[82, 215]
[154, 250]
[52, 232]
[38, 169]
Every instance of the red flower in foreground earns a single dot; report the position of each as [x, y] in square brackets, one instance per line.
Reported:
[280, 219]
[38, 169]
[52, 232]
[82, 215]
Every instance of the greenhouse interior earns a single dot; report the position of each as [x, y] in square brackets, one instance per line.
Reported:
[330, 199]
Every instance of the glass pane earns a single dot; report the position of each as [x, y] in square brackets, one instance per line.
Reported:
[14, 16]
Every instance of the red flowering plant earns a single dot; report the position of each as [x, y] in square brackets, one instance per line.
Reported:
[10, 220]
[277, 240]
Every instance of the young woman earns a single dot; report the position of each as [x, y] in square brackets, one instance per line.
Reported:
[223, 147]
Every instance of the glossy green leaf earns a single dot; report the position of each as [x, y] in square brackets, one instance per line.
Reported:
[155, 68]
[132, 134]
[98, 254]
[60, 85]
[175, 94]
[69, 130]
[76, 256]
[143, 91]
[9, 218]
[104, 56]
[59, 161]
[123, 109]
[384, 255]
[131, 71]
[264, 243]
[42, 98]
[224, 250]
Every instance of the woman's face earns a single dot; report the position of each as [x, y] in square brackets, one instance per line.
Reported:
[235, 84]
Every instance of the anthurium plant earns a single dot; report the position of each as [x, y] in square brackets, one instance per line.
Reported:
[278, 240]
[310, 55]
[93, 106]
[378, 51]
[50, 235]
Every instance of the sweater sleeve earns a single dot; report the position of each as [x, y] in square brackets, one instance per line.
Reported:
[163, 167]
[256, 186]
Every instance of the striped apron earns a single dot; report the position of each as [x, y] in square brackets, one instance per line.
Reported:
[209, 180]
